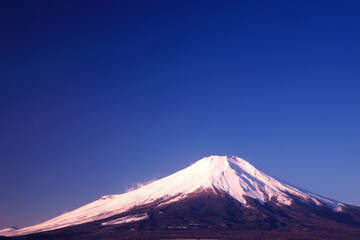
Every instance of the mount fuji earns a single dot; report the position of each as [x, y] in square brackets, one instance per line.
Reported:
[217, 197]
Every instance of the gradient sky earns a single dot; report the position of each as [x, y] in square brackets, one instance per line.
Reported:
[97, 96]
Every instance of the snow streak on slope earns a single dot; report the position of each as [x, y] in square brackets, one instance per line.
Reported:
[232, 175]
[127, 219]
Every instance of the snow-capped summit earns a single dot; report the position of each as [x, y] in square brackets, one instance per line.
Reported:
[231, 175]
[239, 178]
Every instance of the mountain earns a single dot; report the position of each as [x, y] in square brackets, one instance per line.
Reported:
[217, 197]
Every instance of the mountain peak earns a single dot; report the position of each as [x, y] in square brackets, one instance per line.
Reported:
[222, 158]
[217, 165]
[240, 179]
[215, 162]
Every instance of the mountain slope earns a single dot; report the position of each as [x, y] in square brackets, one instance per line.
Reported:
[256, 200]
[206, 214]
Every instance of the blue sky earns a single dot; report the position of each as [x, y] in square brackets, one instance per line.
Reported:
[96, 96]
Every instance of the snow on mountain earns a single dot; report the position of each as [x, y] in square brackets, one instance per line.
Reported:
[7, 231]
[127, 219]
[232, 175]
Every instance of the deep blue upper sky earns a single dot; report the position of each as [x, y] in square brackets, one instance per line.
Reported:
[96, 96]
